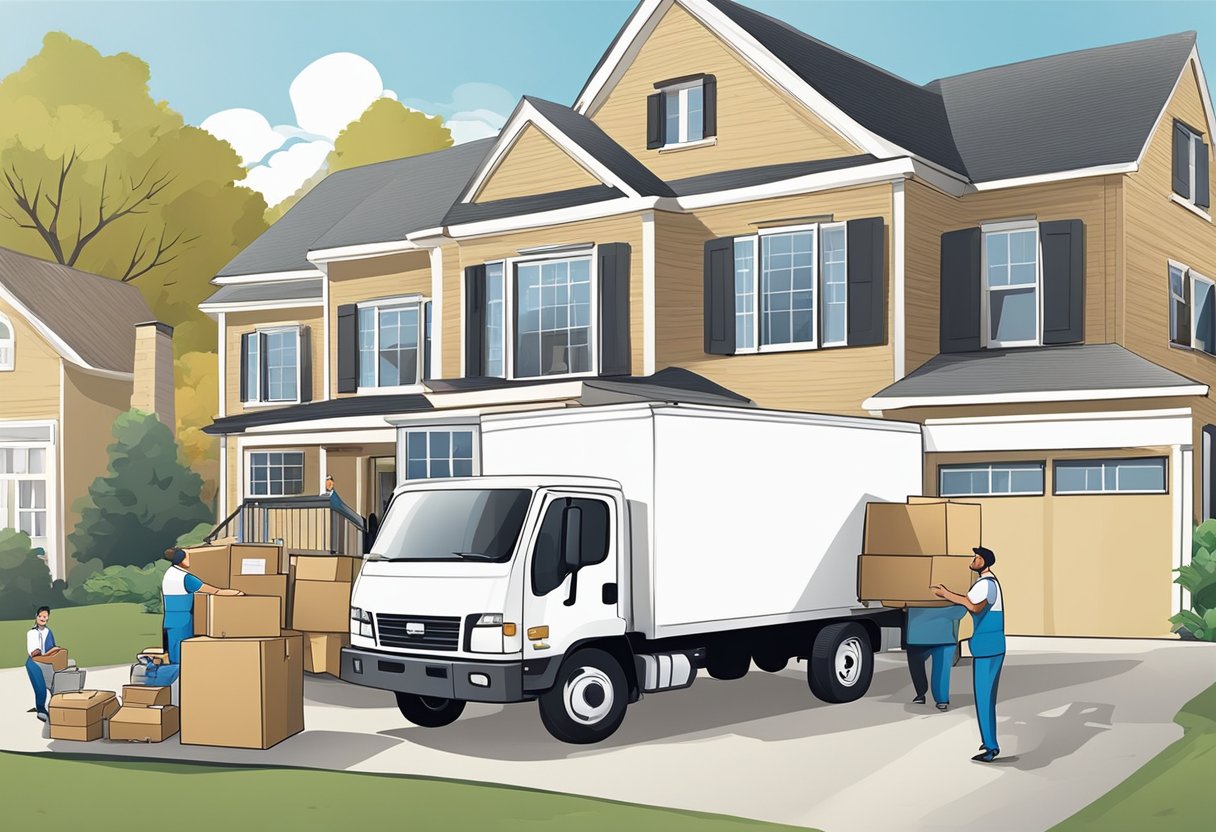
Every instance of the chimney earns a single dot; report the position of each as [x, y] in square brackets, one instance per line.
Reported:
[152, 390]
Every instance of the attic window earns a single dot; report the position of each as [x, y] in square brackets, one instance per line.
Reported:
[1190, 166]
[683, 111]
[6, 344]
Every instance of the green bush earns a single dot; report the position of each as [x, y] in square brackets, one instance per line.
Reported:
[195, 536]
[25, 579]
[122, 584]
[1199, 578]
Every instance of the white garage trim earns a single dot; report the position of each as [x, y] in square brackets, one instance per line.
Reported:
[1060, 432]
[1182, 468]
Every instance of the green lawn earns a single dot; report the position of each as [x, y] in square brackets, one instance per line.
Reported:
[1172, 791]
[94, 636]
[118, 794]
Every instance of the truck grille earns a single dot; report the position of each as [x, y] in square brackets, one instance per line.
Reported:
[438, 632]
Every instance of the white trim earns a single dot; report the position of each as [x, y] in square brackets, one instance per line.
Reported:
[1101, 463]
[436, 368]
[435, 234]
[1005, 228]
[55, 490]
[511, 325]
[898, 402]
[898, 242]
[1057, 176]
[221, 498]
[275, 329]
[709, 141]
[649, 313]
[638, 29]
[1209, 114]
[247, 466]
[322, 467]
[294, 439]
[401, 451]
[875, 172]
[8, 365]
[46, 332]
[222, 349]
[571, 389]
[1182, 465]
[262, 306]
[418, 303]
[325, 340]
[362, 251]
[1104, 431]
[1063, 417]
[559, 216]
[1006, 465]
[267, 277]
[114, 374]
[682, 120]
[1190, 206]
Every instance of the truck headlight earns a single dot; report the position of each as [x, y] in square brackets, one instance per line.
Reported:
[490, 619]
[490, 634]
[361, 623]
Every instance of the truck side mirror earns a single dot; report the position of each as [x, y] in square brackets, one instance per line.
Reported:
[572, 554]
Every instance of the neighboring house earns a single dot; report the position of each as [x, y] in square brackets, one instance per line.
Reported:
[76, 350]
[1021, 258]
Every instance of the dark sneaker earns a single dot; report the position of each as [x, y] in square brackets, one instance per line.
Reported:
[988, 756]
[920, 700]
[42, 716]
[941, 706]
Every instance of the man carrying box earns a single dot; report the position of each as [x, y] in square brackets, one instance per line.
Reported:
[40, 645]
[177, 590]
[932, 633]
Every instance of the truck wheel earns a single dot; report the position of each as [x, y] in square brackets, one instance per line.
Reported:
[587, 702]
[429, 711]
[842, 663]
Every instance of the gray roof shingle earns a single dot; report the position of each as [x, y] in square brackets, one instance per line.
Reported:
[514, 206]
[308, 290]
[95, 316]
[762, 175]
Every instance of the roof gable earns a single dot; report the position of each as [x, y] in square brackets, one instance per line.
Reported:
[534, 164]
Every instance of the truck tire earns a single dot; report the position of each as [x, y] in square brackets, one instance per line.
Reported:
[842, 663]
[429, 711]
[587, 701]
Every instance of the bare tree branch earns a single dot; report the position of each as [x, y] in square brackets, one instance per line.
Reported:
[29, 207]
[135, 203]
[158, 259]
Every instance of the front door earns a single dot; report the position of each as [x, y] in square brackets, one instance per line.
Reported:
[384, 481]
[571, 586]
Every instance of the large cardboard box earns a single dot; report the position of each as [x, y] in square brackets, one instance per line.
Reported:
[145, 696]
[81, 715]
[242, 692]
[210, 564]
[937, 528]
[247, 559]
[321, 607]
[905, 579]
[140, 723]
[242, 616]
[323, 652]
[57, 660]
[266, 585]
[333, 568]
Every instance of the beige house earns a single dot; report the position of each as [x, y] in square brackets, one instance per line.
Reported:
[76, 350]
[1017, 258]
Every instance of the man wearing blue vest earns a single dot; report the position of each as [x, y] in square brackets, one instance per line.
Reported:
[987, 607]
[177, 591]
[932, 634]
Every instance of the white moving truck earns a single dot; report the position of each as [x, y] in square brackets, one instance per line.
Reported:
[611, 551]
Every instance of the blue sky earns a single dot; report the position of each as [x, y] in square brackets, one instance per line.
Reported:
[208, 57]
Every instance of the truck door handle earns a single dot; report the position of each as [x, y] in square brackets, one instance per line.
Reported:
[609, 593]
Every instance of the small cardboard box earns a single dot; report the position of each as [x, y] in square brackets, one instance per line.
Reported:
[242, 616]
[145, 696]
[57, 660]
[907, 578]
[242, 692]
[272, 586]
[210, 564]
[321, 607]
[81, 709]
[138, 723]
[937, 528]
[323, 652]
[248, 559]
[334, 568]
[79, 733]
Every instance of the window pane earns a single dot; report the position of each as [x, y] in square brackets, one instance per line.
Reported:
[441, 468]
[553, 326]
[745, 288]
[276, 474]
[416, 444]
[955, 483]
[1013, 315]
[672, 103]
[440, 444]
[281, 368]
[37, 461]
[787, 286]
[1205, 317]
[1022, 482]
[367, 346]
[1147, 475]
[696, 114]
[495, 345]
[398, 354]
[462, 468]
[462, 444]
[416, 470]
[835, 285]
[252, 366]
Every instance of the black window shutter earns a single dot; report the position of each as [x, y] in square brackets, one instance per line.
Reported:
[1063, 246]
[1182, 160]
[1207, 476]
[305, 364]
[656, 121]
[616, 358]
[474, 320]
[348, 348]
[960, 291]
[720, 296]
[426, 343]
[867, 285]
[245, 367]
[1201, 174]
[709, 105]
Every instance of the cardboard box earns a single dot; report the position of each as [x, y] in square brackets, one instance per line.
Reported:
[241, 616]
[57, 660]
[250, 559]
[907, 578]
[82, 708]
[937, 528]
[321, 607]
[271, 586]
[242, 693]
[145, 696]
[323, 652]
[137, 723]
[335, 568]
[79, 733]
[210, 564]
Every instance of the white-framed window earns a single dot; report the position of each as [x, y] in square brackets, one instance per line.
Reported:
[272, 365]
[1012, 284]
[1192, 309]
[276, 473]
[778, 294]
[394, 342]
[1144, 475]
[684, 112]
[1189, 155]
[990, 479]
[430, 453]
[23, 491]
[554, 316]
[7, 344]
[496, 320]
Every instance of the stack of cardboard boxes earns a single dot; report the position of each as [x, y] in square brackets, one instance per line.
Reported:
[146, 715]
[320, 607]
[82, 715]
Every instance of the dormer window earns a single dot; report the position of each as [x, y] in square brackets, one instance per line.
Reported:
[1190, 167]
[683, 112]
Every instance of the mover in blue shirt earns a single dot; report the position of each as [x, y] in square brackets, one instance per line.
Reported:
[40, 646]
[932, 633]
[177, 591]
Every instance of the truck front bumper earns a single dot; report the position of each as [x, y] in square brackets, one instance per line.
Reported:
[468, 681]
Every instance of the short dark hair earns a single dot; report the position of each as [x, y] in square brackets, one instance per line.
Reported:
[987, 554]
[42, 610]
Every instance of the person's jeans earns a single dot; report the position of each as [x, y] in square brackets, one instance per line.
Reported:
[173, 638]
[34, 670]
[986, 673]
[942, 656]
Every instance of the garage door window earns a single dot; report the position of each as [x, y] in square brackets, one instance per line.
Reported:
[1111, 476]
[996, 479]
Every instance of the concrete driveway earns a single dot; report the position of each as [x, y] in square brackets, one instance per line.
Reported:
[1077, 716]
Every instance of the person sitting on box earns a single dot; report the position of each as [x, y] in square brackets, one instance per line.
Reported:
[40, 645]
[932, 633]
[177, 591]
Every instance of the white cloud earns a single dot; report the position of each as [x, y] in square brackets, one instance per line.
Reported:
[333, 91]
[477, 110]
[248, 131]
[285, 171]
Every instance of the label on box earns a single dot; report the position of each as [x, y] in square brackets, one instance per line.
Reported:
[253, 566]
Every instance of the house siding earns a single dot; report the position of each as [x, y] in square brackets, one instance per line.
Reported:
[31, 389]
[239, 323]
[534, 165]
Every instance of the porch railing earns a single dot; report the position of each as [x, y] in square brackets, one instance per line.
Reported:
[321, 524]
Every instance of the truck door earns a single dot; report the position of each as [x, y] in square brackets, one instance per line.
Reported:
[571, 592]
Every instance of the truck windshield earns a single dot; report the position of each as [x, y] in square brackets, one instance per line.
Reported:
[461, 524]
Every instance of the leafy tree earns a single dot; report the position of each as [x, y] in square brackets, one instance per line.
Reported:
[122, 584]
[25, 579]
[145, 501]
[1199, 578]
[195, 403]
[97, 175]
